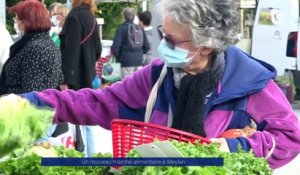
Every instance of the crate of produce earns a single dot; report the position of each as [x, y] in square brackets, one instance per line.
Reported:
[126, 134]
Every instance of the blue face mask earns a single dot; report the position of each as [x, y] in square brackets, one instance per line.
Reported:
[173, 58]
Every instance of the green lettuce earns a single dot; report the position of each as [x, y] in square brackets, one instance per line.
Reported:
[27, 162]
[21, 123]
[238, 163]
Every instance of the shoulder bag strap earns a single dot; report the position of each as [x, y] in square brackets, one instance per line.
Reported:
[88, 35]
[153, 94]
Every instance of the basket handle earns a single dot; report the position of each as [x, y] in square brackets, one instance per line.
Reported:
[153, 94]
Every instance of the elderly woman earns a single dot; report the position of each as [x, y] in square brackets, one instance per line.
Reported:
[205, 86]
[34, 62]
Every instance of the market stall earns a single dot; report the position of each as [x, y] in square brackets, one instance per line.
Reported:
[133, 140]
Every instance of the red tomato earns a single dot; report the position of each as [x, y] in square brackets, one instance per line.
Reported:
[232, 133]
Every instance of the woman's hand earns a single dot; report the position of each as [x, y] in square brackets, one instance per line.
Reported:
[223, 146]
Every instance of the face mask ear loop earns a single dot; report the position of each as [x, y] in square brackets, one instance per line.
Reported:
[192, 57]
[194, 54]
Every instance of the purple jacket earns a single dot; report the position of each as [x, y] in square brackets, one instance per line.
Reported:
[245, 91]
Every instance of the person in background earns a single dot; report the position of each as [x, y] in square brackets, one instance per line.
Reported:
[34, 63]
[5, 44]
[52, 7]
[207, 87]
[80, 45]
[131, 59]
[145, 23]
[59, 13]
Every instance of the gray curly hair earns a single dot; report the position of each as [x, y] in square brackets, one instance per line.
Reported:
[129, 14]
[213, 23]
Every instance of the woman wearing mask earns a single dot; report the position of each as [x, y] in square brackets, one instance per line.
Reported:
[207, 87]
[80, 47]
[34, 63]
[58, 14]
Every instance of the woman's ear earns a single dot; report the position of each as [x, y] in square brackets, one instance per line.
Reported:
[205, 51]
[21, 26]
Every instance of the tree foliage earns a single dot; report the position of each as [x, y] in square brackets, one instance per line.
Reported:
[112, 15]
[9, 17]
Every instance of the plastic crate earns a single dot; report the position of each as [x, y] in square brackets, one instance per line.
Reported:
[129, 133]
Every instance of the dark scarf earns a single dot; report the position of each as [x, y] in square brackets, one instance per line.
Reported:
[190, 102]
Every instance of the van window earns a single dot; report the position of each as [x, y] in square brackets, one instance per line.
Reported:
[291, 48]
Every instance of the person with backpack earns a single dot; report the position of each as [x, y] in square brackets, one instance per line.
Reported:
[145, 23]
[129, 44]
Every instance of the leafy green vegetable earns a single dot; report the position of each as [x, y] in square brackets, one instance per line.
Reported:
[20, 123]
[30, 164]
[242, 162]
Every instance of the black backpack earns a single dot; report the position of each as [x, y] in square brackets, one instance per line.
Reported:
[135, 37]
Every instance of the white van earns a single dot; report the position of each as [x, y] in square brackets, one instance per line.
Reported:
[275, 41]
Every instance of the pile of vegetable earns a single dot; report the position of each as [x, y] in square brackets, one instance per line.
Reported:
[21, 123]
[239, 163]
[29, 162]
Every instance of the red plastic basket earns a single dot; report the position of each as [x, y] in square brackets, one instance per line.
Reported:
[129, 133]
